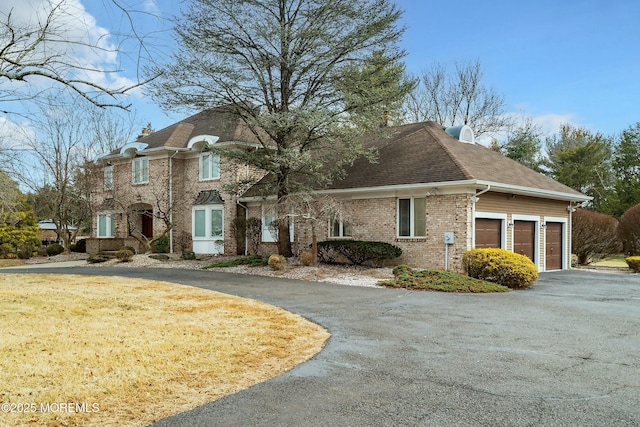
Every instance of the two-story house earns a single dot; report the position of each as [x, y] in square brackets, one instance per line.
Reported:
[433, 192]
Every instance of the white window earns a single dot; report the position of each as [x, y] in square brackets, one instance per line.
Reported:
[339, 228]
[208, 223]
[106, 225]
[140, 169]
[269, 224]
[108, 178]
[412, 217]
[209, 166]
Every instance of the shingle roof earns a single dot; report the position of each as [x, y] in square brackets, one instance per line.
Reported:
[424, 153]
[216, 122]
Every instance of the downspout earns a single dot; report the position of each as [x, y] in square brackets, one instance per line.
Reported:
[475, 199]
[171, 201]
[246, 219]
[571, 209]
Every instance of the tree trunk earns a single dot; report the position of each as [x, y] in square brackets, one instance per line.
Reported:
[314, 247]
[284, 238]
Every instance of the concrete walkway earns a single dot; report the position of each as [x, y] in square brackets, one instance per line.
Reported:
[565, 352]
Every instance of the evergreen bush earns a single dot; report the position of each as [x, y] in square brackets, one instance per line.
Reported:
[357, 251]
[500, 266]
[80, 246]
[634, 263]
[54, 249]
[161, 245]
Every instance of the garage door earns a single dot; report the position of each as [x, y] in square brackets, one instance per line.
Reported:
[553, 251]
[488, 233]
[524, 238]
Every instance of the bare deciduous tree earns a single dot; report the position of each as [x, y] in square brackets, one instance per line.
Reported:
[457, 98]
[49, 42]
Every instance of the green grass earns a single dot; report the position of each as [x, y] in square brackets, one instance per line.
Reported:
[440, 281]
[253, 261]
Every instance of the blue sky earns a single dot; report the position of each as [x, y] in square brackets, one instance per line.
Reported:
[560, 61]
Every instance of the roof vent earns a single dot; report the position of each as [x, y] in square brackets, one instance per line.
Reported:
[462, 133]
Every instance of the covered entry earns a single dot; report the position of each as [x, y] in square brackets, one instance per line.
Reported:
[554, 250]
[488, 233]
[524, 238]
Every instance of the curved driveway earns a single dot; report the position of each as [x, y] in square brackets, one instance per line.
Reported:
[566, 352]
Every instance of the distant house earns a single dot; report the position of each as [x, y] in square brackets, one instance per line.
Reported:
[49, 234]
[428, 182]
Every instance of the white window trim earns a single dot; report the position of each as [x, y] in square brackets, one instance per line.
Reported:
[109, 224]
[108, 177]
[207, 222]
[269, 233]
[411, 219]
[341, 232]
[536, 243]
[133, 170]
[201, 166]
[565, 240]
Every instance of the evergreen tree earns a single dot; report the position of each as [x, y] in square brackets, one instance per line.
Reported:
[626, 172]
[18, 224]
[582, 161]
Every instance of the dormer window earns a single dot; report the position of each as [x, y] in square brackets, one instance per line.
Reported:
[140, 169]
[209, 166]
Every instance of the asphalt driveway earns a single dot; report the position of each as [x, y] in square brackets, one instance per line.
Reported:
[566, 352]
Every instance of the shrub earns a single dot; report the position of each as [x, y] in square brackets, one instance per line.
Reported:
[277, 262]
[80, 246]
[254, 234]
[26, 251]
[441, 281]
[95, 259]
[306, 258]
[160, 257]
[634, 263]
[358, 251]
[131, 248]
[629, 231]
[54, 249]
[188, 255]
[42, 251]
[239, 230]
[253, 261]
[593, 235]
[124, 255]
[500, 266]
[161, 245]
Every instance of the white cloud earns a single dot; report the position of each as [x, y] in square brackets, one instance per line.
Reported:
[86, 50]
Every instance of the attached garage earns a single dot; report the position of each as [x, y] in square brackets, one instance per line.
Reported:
[524, 238]
[554, 250]
[488, 233]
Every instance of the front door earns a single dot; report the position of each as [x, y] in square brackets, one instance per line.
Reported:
[524, 238]
[147, 224]
[553, 253]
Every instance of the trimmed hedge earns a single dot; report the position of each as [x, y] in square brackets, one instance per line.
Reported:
[634, 263]
[54, 249]
[500, 266]
[357, 251]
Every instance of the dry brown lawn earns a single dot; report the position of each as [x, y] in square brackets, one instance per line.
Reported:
[116, 351]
